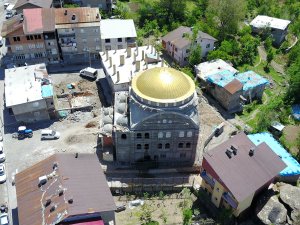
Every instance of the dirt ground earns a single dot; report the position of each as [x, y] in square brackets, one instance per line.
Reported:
[291, 133]
[167, 210]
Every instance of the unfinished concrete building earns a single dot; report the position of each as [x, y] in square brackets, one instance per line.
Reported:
[29, 93]
[156, 120]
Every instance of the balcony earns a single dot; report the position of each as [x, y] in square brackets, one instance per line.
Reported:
[227, 197]
[207, 178]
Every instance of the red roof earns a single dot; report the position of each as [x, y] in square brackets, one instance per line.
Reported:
[33, 21]
[99, 222]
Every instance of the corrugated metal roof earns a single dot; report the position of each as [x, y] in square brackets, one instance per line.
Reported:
[82, 15]
[82, 180]
[12, 25]
[241, 174]
[234, 86]
[36, 3]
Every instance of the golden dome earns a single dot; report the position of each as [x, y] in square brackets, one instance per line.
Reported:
[163, 85]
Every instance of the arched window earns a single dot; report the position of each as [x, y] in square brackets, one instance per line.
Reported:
[188, 145]
[159, 146]
[138, 146]
[139, 135]
[180, 145]
[123, 136]
[167, 145]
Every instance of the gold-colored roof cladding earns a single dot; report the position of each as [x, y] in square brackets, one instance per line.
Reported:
[163, 85]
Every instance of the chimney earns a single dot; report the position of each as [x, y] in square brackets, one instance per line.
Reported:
[122, 60]
[128, 52]
[137, 65]
[110, 62]
[234, 149]
[66, 12]
[118, 77]
[73, 17]
[143, 55]
[251, 152]
[114, 69]
[228, 153]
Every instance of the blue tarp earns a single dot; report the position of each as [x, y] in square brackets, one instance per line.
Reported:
[296, 111]
[47, 91]
[249, 79]
[293, 167]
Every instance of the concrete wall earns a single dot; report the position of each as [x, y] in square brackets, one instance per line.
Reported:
[218, 191]
[246, 203]
[254, 93]
[174, 149]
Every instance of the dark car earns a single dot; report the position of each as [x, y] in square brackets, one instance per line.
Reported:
[120, 208]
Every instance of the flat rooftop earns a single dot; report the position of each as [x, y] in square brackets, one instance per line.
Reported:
[265, 21]
[24, 84]
[117, 28]
[146, 56]
[203, 70]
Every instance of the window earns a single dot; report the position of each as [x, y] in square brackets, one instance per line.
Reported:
[31, 46]
[138, 146]
[119, 39]
[107, 40]
[167, 146]
[187, 51]
[37, 36]
[22, 56]
[168, 134]
[216, 199]
[175, 49]
[16, 39]
[146, 146]
[164, 121]
[50, 43]
[97, 47]
[120, 46]
[19, 47]
[163, 156]
[39, 45]
[159, 146]
[180, 145]
[182, 155]
[96, 30]
[160, 134]
[188, 145]
[108, 48]
[181, 134]
[97, 39]
[83, 40]
[189, 134]
[123, 136]
[147, 135]
[139, 135]
[208, 46]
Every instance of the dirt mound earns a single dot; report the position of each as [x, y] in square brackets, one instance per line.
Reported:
[79, 138]
[91, 124]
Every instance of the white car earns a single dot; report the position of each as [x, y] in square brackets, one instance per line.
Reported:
[6, 5]
[2, 154]
[4, 219]
[2, 173]
[49, 134]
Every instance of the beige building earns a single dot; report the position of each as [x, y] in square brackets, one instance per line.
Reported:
[237, 170]
[78, 31]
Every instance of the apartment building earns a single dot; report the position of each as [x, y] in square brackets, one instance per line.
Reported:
[178, 44]
[117, 34]
[78, 31]
[50, 35]
[234, 172]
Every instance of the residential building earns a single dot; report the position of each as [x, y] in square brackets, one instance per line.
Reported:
[156, 121]
[117, 34]
[78, 31]
[29, 93]
[234, 172]
[31, 4]
[203, 70]
[278, 27]
[178, 44]
[64, 189]
[106, 5]
[120, 66]
[232, 90]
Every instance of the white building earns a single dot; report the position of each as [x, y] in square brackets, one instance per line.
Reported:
[117, 34]
[278, 27]
[178, 44]
[203, 70]
[120, 66]
[29, 93]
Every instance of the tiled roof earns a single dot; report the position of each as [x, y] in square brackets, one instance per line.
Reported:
[37, 3]
[234, 86]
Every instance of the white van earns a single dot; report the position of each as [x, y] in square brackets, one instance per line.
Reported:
[89, 72]
[49, 134]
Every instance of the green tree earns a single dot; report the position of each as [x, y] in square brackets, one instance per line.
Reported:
[226, 15]
[122, 10]
[195, 55]
[293, 91]
[270, 56]
[187, 216]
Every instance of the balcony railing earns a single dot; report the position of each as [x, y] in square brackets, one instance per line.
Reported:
[207, 179]
[226, 196]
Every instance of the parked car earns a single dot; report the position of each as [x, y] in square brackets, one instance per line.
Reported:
[9, 15]
[2, 154]
[89, 73]
[4, 219]
[120, 208]
[2, 173]
[49, 134]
